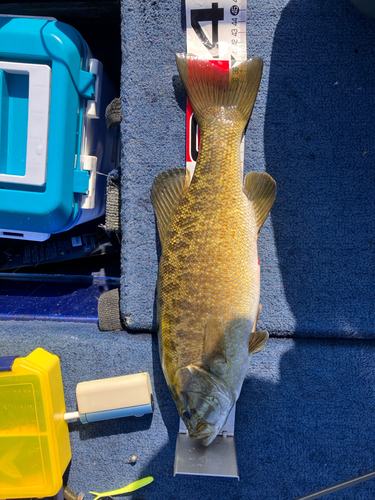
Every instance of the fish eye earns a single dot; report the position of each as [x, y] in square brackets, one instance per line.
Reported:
[201, 427]
[186, 414]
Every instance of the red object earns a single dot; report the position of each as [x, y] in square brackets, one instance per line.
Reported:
[192, 143]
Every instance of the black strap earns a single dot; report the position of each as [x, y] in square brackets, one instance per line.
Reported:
[113, 113]
[113, 195]
[113, 204]
[109, 311]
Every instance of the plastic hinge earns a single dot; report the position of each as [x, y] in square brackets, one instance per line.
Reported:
[89, 164]
[86, 84]
[6, 363]
[81, 181]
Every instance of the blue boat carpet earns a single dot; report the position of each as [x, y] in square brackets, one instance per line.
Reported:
[305, 417]
[311, 129]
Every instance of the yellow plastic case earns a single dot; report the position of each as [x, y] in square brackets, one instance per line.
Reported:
[34, 437]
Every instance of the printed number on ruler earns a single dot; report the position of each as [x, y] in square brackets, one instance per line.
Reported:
[215, 31]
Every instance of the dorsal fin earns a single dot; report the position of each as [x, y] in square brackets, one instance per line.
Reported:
[260, 188]
[214, 343]
[258, 341]
[167, 190]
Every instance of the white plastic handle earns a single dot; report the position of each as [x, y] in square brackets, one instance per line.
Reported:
[38, 120]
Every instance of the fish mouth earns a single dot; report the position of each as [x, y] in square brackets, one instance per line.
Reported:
[206, 431]
[203, 405]
[208, 439]
[208, 434]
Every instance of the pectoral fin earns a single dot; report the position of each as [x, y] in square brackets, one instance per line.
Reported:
[260, 188]
[258, 341]
[167, 191]
[214, 343]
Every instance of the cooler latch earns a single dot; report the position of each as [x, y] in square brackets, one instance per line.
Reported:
[86, 84]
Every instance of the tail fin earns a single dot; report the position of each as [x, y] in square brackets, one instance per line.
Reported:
[208, 85]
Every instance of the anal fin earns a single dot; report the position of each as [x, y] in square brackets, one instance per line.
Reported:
[168, 188]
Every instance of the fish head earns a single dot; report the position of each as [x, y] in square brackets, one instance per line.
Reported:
[203, 400]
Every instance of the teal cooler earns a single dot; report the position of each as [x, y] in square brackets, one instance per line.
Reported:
[55, 149]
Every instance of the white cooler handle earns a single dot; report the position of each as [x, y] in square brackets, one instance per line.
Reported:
[38, 121]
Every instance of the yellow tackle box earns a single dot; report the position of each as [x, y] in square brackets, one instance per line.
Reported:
[34, 437]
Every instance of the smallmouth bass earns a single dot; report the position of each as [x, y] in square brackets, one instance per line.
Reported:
[209, 275]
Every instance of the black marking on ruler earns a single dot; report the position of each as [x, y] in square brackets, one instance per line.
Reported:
[214, 15]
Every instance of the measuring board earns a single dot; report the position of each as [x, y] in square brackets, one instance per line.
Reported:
[215, 31]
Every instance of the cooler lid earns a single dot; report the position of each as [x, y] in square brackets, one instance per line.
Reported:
[45, 83]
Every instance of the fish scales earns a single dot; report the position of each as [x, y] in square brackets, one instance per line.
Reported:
[214, 276]
[208, 286]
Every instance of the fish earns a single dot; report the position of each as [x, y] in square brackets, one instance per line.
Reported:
[208, 285]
